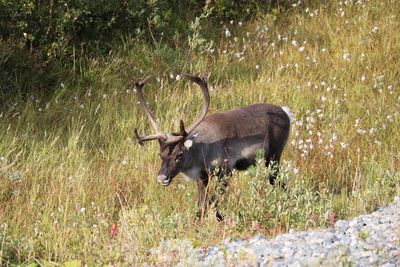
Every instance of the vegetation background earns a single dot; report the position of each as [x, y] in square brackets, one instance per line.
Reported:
[75, 188]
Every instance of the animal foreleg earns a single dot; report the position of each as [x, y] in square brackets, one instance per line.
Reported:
[202, 184]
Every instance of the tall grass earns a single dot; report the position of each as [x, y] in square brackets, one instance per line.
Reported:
[71, 173]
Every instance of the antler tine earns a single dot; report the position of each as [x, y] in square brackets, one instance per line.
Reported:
[204, 89]
[138, 86]
[182, 131]
[144, 81]
[142, 139]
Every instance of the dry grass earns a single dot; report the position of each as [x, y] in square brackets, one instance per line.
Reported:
[69, 169]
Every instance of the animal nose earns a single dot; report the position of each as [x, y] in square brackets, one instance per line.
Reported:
[163, 179]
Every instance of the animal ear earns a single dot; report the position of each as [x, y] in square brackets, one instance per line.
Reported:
[188, 143]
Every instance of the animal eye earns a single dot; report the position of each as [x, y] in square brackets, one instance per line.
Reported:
[179, 157]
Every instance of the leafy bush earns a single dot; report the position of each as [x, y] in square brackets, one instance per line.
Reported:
[57, 25]
[49, 37]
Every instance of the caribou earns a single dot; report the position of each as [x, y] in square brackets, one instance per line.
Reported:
[218, 144]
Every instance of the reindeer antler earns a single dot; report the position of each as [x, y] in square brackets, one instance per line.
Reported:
[175, 137]
[160, 135]
[204, 89]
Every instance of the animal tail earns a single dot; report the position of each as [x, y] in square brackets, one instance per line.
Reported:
[289, 113]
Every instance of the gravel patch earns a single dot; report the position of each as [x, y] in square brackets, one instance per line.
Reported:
[367, 240]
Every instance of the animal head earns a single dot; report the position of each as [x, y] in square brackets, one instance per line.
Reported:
[173, 147]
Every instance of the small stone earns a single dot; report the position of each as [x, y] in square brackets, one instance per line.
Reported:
[341, 226]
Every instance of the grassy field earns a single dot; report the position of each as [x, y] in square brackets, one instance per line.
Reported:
[74, 184]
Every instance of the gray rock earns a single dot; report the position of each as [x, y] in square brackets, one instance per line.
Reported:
[367, 240]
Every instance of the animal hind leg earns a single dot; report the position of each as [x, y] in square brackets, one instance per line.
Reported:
[221, 189]
[275, 159]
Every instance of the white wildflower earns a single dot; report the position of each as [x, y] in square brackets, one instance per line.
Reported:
[227, 33]
[334, 137]
[372, 131]
[344, 145]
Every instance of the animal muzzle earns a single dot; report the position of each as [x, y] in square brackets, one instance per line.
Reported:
[164, 180]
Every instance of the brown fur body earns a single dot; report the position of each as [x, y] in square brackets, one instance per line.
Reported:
[230, 140]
